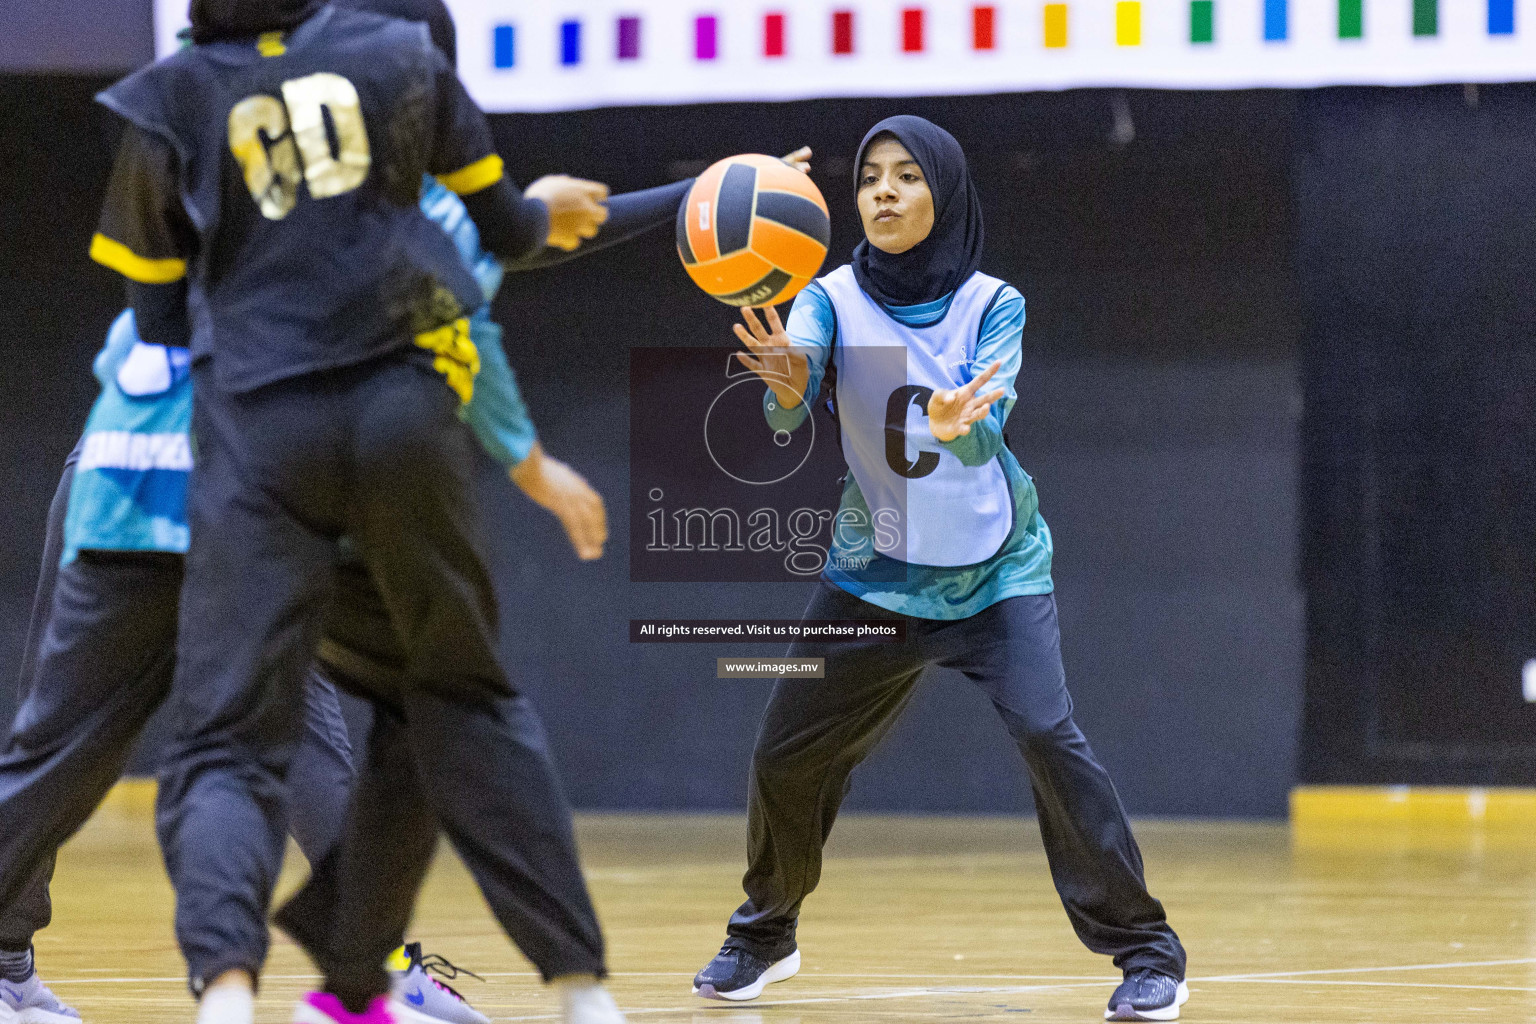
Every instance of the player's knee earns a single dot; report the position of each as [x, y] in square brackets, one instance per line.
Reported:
[1038, 728]
[786, 762]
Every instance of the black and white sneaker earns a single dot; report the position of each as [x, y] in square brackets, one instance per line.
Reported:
[1147, 995]
[738, 974]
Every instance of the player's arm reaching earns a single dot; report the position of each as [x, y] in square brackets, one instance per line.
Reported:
[499, 418]
[512, 225]
[629, 214]
[969, 424]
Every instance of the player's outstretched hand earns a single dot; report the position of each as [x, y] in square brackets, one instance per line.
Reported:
[576, 208]
[800, 159]
[784, 370]
[567, 494]
[951, 412]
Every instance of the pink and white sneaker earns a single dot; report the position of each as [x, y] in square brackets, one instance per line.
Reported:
[324, 1008]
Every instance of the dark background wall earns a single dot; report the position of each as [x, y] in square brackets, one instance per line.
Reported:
[1418, 229]
[1158, 412]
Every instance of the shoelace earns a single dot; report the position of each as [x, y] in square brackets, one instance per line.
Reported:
[440, 964]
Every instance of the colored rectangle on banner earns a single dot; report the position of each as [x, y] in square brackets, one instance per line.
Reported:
[629, 39]
[842, 32]
[1501, 17]
[1426, 17]
[1277, 21]
[1351, 19]
[1055, 26]
[706, 37]
[570, 43]
[1128, 23]
[1202, 21]
[773, 35]
[912, 30]
[503, 46]
[984, 27]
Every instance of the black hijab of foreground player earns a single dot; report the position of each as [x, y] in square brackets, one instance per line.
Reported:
[213, 20]
[942, 262]
[434, 13]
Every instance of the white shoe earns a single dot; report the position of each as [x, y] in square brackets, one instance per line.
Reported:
[33, 1003]
[227, 1004]
[587, 1002]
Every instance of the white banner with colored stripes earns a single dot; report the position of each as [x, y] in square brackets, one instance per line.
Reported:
[553, 55]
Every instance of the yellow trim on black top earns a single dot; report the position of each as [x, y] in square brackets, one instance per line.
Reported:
[481, 174]
[270, 44]
[117, 256]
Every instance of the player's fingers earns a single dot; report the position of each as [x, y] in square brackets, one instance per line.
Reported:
[746, 337]
[754, 324]
[980, 379]
[600, 512]
[596, 189]
[984, 402]
[596, 210]
[586, 526]
[775, 325]
[750, 363]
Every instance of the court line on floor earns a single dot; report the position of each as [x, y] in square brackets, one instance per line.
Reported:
[1083, 978]
[702, 1006]
[1368, 970]
[1372, 984]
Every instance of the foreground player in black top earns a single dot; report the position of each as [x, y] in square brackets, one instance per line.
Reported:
[265, 201]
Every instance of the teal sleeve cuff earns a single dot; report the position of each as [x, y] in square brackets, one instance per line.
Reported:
[780, 418]
[497, 414]
[984, 441]
[811, 327]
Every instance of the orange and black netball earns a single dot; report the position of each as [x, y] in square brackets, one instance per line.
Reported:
[753, 231]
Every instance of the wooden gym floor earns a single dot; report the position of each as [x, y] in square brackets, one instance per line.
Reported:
[916, 920]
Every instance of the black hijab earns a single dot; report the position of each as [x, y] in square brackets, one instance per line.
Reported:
[238, 19]
[434, 12]
[213, 20]
[951, 253]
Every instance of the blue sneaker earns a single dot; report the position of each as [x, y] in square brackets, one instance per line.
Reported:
[740, 974]
[415, 986]
[1147, 995]
[32, 1003]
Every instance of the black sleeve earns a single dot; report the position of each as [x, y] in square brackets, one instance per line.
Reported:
[145, 235]
[160, 313]
[463, 155]
[466, 162]
[511, 227]
[629, 214]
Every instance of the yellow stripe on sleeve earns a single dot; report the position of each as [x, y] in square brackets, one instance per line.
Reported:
[481, 174]
[117, 256]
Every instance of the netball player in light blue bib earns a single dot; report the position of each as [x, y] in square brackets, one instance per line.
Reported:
[938, 527]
